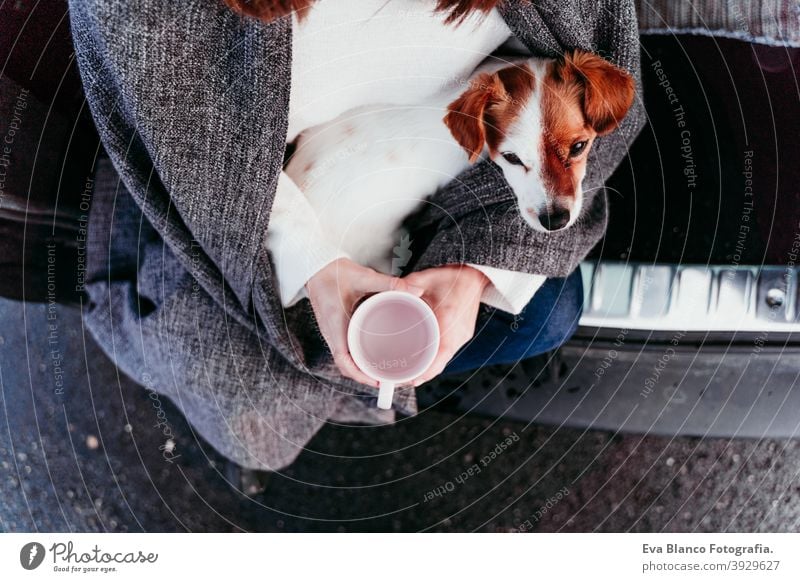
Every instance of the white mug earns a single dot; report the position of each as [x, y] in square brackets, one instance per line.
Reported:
[393, 338]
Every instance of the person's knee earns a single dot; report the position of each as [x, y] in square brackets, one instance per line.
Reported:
[556, 319]
[560, 330]
[566, 311]
[255, 442]
[548, 321]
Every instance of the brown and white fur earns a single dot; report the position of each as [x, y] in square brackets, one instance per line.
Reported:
[367, 170]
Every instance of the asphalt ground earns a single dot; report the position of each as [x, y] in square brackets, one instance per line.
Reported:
[86, 454]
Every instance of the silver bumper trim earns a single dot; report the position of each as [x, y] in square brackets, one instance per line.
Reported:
[690, 297]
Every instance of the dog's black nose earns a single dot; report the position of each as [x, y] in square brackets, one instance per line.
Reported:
[555, 220]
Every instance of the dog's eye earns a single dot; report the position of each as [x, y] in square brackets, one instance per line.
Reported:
[577, 148]
[513, 159]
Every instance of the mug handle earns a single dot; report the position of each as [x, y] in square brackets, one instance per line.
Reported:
[385, 395]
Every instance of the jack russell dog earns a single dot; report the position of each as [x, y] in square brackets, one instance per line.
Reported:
[370, 168]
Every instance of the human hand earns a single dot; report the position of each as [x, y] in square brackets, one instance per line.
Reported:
[334, 292]
[454, 293]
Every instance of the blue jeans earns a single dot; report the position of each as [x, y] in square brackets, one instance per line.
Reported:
[545, 323]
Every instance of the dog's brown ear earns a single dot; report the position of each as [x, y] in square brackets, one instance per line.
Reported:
[608, 90]
[465, 115]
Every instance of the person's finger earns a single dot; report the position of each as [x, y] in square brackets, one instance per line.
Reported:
[438, 365]
[335, 334]
[452, 339]
[403, 285]
[374, 282]
[418, 280]
[334, 330]
[333, 325]
[435, 369]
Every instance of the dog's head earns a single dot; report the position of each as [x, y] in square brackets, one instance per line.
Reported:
[538, 120]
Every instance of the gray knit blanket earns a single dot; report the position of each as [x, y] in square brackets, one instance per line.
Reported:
[772, 22]
[191, 102]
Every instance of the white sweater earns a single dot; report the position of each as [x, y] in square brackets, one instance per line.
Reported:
[348, 55]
